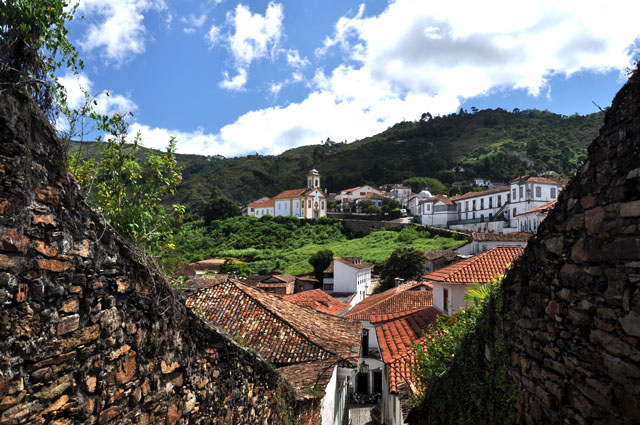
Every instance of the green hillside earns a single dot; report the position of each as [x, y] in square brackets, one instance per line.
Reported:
[493, 144]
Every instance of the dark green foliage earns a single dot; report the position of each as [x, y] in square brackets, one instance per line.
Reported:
[215, 206]
[320, 261]
[237, 269]
[461, 384]
[433, 185]
[490, 144]
[404, 263]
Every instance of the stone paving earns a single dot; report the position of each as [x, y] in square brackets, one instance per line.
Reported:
[360, 414]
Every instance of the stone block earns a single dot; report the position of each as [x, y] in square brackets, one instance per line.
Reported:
[630, 209]
[631, 323]
[46, 250]
[108, 414]
[68, 324]
[54, 265]
[13, 241]
[70, 306]
[43, 220]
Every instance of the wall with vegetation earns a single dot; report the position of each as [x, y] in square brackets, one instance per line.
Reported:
[90, 334]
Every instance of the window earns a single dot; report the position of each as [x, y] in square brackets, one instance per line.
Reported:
[490, 216]
[499, 201]
[490, 202]
[474, 204]
[428, 207]
[553, 193]
[363, 193]
[322, 205]
[521, 194]
[316, 185]
[328, 286]
[473, 216]
[514, 194]
[466, 205]
[309, 204]
[482, 203]
[514, 212]
[538, 192]
[445, 299]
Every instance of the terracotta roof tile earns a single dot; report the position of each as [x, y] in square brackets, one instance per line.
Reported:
[353, 262]
[309, 379]
[481, 193]
[545, 207]
[318, 300]
[377, 319]
[394, 300]
[283, 332]
[397, 337]
[290, 193]
[442, 198]
[548, 180]
[502, 237]
[263, 204]
[481, 268]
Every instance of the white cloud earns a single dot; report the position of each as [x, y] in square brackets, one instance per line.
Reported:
[275, 88]
[212, 36]
[414, 58]
[294, 59]
[105, 102]
[236, 83]
[117, 26]
[192, 22]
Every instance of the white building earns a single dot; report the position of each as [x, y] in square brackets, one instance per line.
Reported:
[529, 221]
[437, 211]
[401, 194]
[528, 193]
[413, 205]
[310, 202]
[348, 275]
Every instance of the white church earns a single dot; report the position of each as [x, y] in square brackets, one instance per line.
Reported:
[309, 202]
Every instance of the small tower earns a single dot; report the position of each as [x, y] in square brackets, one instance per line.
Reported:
[313, 179]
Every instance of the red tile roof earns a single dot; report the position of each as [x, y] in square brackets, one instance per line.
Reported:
[481, 193]
[376, 319]
[442, 198]
[481, 268]
[502, 237]
[397, 337]
[533, 179]
[290, 193]
[353, 262]
[263, 204]
[395, 300]
[318, 300]
[283, 332]
[542, 208]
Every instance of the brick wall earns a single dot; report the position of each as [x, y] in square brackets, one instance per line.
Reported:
[573, 301]
[88, 333]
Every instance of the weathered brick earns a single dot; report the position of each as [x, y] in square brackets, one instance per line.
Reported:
[46, 250]
[54, 265]
[44, 220]
[68, 324]
[13, 241]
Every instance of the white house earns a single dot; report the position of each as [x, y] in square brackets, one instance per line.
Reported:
[261, 208]
[348, 275]
[356, 193]
[401, 194]
[530, 192]
[529, 221]
[413, 205]
[450, 283]
[437, 211]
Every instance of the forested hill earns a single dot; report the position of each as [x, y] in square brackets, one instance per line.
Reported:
[494, 144]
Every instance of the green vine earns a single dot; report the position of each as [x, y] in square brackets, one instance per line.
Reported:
[463, 366]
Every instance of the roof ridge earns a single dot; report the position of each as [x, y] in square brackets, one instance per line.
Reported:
[305, 336]
[397, 289]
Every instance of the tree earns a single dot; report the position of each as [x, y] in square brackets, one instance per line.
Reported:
[320, 261]
[403, 263]
[237, 269]
[417, 184]
[33, 45]
[128, 187]
[371, 209]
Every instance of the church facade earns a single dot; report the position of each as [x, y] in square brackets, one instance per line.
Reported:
[309, 202]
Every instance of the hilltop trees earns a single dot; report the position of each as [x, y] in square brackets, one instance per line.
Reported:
[320, 261]
[403, 263]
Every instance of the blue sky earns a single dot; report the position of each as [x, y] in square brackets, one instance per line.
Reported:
[235, 78]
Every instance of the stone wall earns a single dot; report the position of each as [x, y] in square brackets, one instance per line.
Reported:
[88, 333]
[572, 304]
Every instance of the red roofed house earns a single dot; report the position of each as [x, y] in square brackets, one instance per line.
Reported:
[396, 339]
[316, 353]
[450, 283]
[309, 202]
[348, 275]
[280, 284]
[395, 303]
[356, 193]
